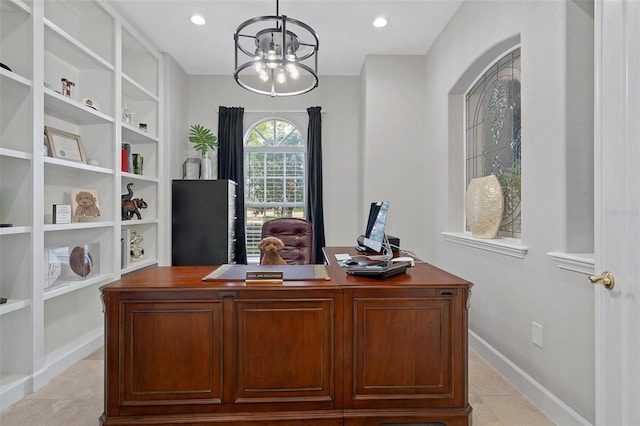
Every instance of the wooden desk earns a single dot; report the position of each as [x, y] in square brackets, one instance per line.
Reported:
[348, 351]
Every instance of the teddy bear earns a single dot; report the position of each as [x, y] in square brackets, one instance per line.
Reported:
[270, 248]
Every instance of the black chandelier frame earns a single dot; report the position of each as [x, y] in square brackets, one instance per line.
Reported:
[288, 41]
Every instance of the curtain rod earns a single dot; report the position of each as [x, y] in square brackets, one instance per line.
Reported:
[281, 111]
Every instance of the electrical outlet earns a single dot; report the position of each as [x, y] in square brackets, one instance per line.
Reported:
[536, 333]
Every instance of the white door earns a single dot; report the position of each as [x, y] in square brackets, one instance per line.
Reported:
[617, 211]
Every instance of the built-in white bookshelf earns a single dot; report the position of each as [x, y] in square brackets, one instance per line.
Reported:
[53, 314]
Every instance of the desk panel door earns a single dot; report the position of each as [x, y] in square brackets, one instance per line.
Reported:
[286, 352]
[402, 351]
[171, 352]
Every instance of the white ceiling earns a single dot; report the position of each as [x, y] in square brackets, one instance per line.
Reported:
[344, 28]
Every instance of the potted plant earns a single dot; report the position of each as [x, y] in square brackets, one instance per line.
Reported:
[203, 140]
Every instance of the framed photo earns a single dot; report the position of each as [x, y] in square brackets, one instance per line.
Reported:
[61, 213]
[64, 145]
[84, 204]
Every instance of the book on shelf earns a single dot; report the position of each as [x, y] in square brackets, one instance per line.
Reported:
[125, 241]
[137, 163]
[127, 159]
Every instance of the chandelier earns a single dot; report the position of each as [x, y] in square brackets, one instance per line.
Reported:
[281, 56]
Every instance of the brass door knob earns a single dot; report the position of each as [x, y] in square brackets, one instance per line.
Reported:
[605, 279]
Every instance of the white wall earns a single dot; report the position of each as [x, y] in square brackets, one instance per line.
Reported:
[339, 97]
[394, 130]
[175, 119]
[580, 128]
[510, 293]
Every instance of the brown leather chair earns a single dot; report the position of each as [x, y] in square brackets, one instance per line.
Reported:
[297, 236]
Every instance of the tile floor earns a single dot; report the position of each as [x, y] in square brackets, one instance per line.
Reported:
[74, 398]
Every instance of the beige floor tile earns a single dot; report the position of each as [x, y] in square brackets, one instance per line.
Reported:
[52, 412]
[96, 355]
[483, 416]
[484, 380]
[75, 398]
[516, 410]
[84, 380]
[474, 398]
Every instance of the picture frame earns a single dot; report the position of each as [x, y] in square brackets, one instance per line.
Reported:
[61, 213]
[65, 145]
[85, 204]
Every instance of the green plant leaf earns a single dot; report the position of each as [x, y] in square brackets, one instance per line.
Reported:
[202, 138]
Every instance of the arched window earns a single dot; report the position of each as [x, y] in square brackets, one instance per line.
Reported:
[493, 134]
[274, 156]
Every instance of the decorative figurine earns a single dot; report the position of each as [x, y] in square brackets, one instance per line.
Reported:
[136, 251]
[66, 87]
[131, 206]
[127, 115]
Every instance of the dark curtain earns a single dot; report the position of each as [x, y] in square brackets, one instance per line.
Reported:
[314, 181]
[231, 166]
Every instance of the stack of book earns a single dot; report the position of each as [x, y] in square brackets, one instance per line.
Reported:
[131, 162]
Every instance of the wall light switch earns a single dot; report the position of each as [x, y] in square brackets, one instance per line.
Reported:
[536, 333]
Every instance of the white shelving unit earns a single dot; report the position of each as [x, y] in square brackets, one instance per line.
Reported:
[46, 328]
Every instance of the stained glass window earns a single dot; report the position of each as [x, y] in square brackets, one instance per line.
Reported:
[493, 134]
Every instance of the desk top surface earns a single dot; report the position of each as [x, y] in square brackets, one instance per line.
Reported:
[191, 277]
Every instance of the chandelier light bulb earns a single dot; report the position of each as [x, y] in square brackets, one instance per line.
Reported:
[271, 53]
[263, 75]
[291, 55]
[291, 64]
[271, 56]
[282, 78]
[258, 58]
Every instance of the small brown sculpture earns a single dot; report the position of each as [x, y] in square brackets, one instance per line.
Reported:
[270, 248]
[131, 207]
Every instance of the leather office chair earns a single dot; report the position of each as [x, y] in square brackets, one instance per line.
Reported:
[297, 236]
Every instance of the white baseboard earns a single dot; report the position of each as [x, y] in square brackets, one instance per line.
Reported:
[545, 401]
[12, 389]
[65, 357]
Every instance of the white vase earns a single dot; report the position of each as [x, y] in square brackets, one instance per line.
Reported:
[484, 206]
[205, 167]
[209, 165]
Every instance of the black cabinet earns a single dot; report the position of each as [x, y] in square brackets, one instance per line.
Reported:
[203, 221]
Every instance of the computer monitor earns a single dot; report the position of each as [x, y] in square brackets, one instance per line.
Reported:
[375, 238]
[371, 220]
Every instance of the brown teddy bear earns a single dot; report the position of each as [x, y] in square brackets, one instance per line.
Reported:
[270, 248]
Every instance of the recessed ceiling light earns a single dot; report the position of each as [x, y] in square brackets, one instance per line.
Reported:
[380, 22]
[198, 20]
